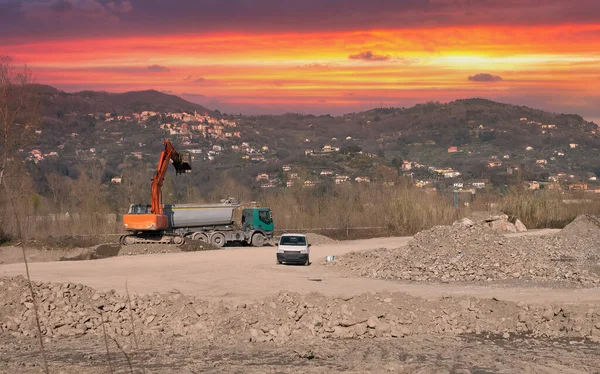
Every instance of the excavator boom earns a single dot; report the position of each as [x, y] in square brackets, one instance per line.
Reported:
[181, 164]
[156, 220]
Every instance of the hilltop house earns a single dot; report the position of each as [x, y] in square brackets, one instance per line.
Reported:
[451, 174]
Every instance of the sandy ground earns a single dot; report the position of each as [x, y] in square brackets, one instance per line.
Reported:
[248, 274]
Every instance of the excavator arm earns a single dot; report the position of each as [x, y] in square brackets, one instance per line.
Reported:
[155, 220]
[181, 165]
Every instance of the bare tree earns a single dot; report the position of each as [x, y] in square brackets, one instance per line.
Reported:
[18, 119]
[18, 115]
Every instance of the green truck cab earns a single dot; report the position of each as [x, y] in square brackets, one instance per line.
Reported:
[258, 219]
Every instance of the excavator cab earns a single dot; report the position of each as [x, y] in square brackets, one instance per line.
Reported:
[182, 163]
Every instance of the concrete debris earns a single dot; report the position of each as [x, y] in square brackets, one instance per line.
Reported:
[497, 221]
[68, 310]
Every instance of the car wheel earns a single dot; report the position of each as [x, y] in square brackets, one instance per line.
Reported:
[307, 262]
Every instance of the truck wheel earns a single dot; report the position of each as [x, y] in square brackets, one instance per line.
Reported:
[307, 263]
[200, 236]
[178, 240]
[218, 240]
[258, 240]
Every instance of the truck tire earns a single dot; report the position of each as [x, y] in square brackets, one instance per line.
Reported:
[307, 263]
[258, 240]
[200, 236]
[218, 240]
[178, 240]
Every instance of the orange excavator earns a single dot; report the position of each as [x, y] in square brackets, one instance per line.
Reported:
[148, 223]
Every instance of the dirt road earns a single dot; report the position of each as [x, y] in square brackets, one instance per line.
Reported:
[251, 273]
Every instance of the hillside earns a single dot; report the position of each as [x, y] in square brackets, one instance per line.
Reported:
[475, 137]
[54, 101]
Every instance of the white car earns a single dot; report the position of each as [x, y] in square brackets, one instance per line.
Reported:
[293, 249]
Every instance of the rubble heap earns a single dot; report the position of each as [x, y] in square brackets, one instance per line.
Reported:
[496, 220]
[467, 252]
[69, 309]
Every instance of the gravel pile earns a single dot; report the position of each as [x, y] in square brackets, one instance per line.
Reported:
[317, 239]
[73, 310]
[468, 252]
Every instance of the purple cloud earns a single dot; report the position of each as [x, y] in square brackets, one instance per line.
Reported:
[368, 56]
[139, 17]
[158, 68]
[485, 77]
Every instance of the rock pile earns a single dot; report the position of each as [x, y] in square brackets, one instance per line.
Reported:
[72, 309]
[494, 220]
[466, 252]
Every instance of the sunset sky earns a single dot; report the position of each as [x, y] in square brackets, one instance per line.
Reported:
[315, 56]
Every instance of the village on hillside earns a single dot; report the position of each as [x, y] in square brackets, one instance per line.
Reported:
[208, 138]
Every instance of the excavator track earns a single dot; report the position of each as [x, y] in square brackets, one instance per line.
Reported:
[134, 239]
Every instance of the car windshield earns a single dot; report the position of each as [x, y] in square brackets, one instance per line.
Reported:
[293, 240]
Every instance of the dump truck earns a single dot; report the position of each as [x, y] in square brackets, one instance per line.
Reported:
[210, 223]
[160, 223]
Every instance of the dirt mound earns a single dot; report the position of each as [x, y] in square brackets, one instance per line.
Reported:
[584, 225]
[65, 242]
[317, 239]
[95, 253]
[474, 253]
[72, 309]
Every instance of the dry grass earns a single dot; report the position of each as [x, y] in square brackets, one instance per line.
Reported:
[374, 208]
[549, 209]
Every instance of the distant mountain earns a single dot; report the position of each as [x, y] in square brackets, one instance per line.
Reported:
[477, 137]
[481, 129]
[54, 101]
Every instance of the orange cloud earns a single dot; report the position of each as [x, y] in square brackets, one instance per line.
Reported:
[389, 66]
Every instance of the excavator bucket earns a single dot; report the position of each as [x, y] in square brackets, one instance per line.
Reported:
[182, 163]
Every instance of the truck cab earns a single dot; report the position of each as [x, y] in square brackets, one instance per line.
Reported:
[258, 219]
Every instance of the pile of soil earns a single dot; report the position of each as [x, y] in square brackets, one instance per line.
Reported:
[73, 309]
[64, 242]
[584, 226]
[95, 253]
[478, 253]
[318, 239]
